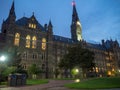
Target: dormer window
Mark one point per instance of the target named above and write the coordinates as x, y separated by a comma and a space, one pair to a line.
31, 25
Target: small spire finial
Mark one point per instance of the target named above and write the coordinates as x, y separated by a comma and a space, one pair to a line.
24, 14
33, 13
73, 3
50, 24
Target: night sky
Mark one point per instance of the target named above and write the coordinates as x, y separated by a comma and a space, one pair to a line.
100, 19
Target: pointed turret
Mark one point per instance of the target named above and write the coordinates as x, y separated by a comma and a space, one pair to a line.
76, 29
50, 27
74, 14
33, 16
50, 30
50, 24
10, 21
11, 18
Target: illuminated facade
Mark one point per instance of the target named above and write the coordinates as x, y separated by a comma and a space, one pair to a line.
43, 48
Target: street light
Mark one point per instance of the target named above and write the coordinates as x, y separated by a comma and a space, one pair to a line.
77, 70
2, 58
77, 80
119, 70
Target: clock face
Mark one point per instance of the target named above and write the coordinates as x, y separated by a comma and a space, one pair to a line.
78, 23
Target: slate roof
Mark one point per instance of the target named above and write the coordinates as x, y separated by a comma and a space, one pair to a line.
24, 21
62, 39
96, 46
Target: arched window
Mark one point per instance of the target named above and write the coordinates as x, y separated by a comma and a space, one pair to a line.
34, 26
34, 41
28, 41
31, 25
43, 44
17, 39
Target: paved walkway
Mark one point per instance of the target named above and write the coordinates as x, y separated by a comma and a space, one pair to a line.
52, 85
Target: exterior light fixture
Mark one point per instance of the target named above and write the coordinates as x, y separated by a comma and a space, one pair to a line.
2, 58
119, 70
77, 80
77, 71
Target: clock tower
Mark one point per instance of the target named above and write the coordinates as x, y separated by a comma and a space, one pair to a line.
76, 29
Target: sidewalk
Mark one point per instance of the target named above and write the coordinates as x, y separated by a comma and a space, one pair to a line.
52, 85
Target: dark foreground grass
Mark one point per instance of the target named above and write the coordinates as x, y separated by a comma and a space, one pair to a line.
63, 79
36, 81
30, 82
97, 83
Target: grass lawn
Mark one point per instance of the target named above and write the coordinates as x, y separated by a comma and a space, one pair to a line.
30, 82
3, 84
36, 81
97, 83
63, 79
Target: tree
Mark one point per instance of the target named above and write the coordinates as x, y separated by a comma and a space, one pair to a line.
13, 55
13, 60
34, 70
77, 57
7, 71
56, 72
21, 70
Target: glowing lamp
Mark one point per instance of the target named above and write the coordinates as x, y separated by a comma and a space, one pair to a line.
2, 58
76, 70
119, 70
77, 80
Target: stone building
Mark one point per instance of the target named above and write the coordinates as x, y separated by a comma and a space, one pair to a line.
41, 47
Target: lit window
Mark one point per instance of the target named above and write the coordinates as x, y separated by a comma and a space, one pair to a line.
96, 69
17, 39
30, 25
108, 64
113, 69
43, 44
109, 73
34, 26
28, 41
34, 42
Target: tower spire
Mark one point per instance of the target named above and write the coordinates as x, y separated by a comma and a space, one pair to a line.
11, 17
12, 10
74, 14
50, 24
76, 29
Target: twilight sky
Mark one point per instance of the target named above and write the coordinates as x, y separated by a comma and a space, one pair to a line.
100, 19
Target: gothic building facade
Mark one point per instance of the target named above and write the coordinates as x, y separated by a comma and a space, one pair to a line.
41, 47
